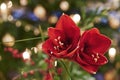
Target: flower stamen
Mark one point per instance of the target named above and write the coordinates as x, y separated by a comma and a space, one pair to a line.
95, 59
56, 40
97, 56
61, 44
51, 52
55, 47
93, 56
58, 37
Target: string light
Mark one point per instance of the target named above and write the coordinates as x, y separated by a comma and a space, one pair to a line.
28, 27
40, 12
9, 4
64, 5
23, 2
114, 22
8, 40
36, 31
76, 18
3, 6
18, 23
53, 19
10, 18
112, 53
26, 54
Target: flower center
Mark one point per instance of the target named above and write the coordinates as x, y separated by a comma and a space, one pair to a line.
95, 57
60, 44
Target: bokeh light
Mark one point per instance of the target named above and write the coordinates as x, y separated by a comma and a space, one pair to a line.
40, 12
64, 5
76, 18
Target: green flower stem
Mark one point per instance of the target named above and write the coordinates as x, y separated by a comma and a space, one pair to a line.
65, 67
22, 40
29, 39
42, 35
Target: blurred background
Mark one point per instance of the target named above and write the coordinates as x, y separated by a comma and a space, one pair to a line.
23, 22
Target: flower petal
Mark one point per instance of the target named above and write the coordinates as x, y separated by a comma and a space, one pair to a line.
55, 33
86, 66
94, 58
48, 47
93, 41
69, 28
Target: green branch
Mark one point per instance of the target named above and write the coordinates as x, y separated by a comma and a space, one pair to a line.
22, 40
29, 39
42, 35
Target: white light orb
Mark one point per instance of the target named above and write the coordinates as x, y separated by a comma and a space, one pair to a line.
76, 18
114, 22
53, 19
3, 6
23, 2
36, 31
9, 4
64, 5
8, 40
40, 12
26, 55
28, 27
18, 23
10, 18
112, 52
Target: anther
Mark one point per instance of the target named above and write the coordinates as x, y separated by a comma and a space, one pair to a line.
97, 55
55, 47
59, 37
51, 52
77, 47
61, 43
95, 59
93, 56
56, 40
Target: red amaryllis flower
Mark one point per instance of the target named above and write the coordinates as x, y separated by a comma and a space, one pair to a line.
63, 39
92, 47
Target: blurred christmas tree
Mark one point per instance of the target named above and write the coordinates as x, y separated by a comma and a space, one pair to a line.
23, 28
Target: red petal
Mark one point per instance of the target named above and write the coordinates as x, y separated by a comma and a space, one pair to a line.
94, 59
54, 33
69, 28
88, 67
93, 41
48, 46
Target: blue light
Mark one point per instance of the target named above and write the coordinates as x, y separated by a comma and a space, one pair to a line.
24, 14
104, 20
31, 16
18, 13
